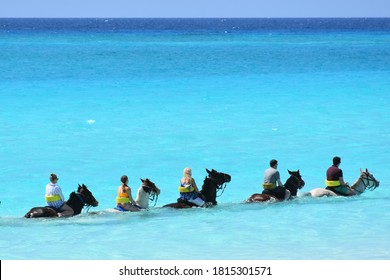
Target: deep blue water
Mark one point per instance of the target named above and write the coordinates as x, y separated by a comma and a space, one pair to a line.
93, 99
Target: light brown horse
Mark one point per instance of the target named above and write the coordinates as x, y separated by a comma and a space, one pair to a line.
365, 181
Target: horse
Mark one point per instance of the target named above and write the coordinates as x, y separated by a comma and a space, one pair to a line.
148, 191
213, 183
77, 201
365, 181
293, 183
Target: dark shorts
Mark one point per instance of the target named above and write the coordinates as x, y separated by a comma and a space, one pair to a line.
278, 192
341, 190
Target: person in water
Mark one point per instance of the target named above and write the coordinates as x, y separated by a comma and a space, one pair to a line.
335, 181
271, 178
124, 198
55, 199
188, 189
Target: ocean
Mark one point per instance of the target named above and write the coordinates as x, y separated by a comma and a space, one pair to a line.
94, 99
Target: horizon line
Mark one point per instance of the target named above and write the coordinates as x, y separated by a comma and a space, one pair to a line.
216, 17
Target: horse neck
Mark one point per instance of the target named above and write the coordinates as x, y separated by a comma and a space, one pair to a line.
358, 185
75, 202
290, 186
209, 190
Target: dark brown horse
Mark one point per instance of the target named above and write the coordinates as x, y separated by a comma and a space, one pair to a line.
293, 183
214, 182
77, 201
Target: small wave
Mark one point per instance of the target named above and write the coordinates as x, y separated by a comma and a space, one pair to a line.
91, 121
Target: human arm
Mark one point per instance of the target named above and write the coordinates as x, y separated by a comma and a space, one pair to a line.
194, 185
58, 191
280, 184
341, 179
130, 196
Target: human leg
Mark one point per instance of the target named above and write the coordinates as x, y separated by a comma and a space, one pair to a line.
66, 211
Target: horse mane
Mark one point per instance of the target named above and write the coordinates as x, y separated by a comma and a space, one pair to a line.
76, 202
209, 190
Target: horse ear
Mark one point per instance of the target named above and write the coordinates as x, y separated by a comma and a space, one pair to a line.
289, 172
366, 170
79, 186
208, 171
142, 180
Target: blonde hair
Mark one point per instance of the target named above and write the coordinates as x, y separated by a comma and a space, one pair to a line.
187, 175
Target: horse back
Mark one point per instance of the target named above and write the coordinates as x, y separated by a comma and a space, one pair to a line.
179, 205
41, 212
260, 197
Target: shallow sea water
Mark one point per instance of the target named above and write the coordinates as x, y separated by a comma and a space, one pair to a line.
92, 100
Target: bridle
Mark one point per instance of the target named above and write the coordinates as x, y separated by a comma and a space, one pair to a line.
84, 199
300, 182
220, 186
371, 184
153, 196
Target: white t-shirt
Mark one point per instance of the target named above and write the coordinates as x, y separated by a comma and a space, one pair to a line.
54, 189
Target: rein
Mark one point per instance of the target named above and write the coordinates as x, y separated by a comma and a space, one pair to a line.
299, 181
153, 197
81, 197
369, 186
221, 188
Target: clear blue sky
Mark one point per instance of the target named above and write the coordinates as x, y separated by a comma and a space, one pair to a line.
194, 8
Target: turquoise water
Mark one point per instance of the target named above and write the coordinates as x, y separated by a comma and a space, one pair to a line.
92, 100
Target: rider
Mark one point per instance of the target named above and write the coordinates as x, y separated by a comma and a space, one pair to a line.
142, 199
271, 177
124, 199
55, 198
188, 189
334, 179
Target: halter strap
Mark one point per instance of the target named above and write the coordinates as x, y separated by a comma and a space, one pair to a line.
221, 188
369, 179
80, 196
153, 196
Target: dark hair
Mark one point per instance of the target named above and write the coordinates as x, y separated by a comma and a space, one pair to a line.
124, 179
273, 162
53, 177
336, 160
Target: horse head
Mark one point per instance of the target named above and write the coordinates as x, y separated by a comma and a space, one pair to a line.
219, 177
214, 182
365, 181
88, 197
294, 182
150, 187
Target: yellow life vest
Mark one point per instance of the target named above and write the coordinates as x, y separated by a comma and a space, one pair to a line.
121, 200
332, 183
183, 189
269, 186
123, 197
52, 198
